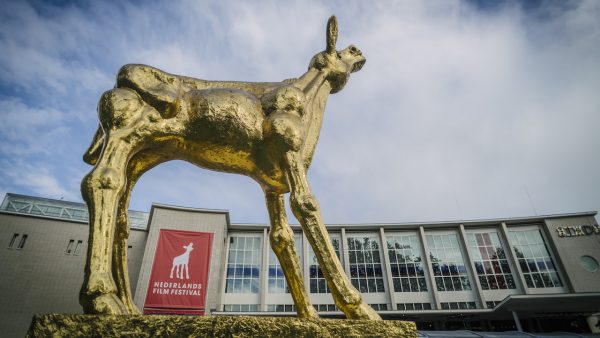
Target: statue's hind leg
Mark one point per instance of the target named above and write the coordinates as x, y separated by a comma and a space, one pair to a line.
306, 209
138, 165
282, 243
101, 189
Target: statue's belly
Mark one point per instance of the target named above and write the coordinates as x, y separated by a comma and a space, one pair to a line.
225, 117
224, 132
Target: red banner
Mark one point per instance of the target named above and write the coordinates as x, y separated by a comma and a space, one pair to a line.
179, 273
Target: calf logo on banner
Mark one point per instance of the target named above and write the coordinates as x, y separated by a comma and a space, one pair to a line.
179, 273
181, 262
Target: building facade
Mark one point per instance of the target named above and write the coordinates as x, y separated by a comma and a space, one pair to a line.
535, 274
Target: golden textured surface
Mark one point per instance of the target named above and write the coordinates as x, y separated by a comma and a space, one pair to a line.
54, 325
266, 131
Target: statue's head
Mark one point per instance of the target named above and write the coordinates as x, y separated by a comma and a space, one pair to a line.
339, 64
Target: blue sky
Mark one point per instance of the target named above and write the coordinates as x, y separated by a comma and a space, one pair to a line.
464, 109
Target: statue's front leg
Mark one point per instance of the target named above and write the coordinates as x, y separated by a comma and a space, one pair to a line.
282, 243
306, 209
101, 189
138, 165
119, 111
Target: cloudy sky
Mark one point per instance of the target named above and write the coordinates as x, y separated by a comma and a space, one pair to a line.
464, 109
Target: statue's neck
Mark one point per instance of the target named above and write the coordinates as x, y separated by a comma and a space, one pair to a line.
315, 86
310, 82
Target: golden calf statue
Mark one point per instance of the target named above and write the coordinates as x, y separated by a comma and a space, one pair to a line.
266, 131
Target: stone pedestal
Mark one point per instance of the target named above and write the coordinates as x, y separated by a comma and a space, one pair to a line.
59, 325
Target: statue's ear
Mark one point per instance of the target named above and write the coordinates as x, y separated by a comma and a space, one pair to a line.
332, 34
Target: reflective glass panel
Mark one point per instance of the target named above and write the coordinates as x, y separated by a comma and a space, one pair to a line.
243, 264
365, 263
490, 261
448, 265
404, 251
534, 259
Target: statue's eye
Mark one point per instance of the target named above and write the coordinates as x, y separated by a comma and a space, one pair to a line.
355, 50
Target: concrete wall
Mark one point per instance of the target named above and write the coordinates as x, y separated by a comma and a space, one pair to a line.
570, 250
41, 277
165, 217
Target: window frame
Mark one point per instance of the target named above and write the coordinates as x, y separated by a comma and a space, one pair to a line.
382, 263
540, 228
227, 263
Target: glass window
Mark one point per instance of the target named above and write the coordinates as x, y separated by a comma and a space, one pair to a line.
22, 242
406, 264
447, 263
12, 240
70, 247
281, 308
240, 307
589, 263
365, 263
243, 264
458, 305
317, 279
490, 261
534, 259
325, 307
277, 282
413, 306
379, 307
78, 247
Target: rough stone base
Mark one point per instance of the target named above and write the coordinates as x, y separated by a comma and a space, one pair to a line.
59, 325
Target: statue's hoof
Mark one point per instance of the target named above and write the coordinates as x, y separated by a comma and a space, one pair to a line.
108, 304
364, 311
131, 308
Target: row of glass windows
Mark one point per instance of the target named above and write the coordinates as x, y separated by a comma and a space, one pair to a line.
413, 306
458, 305
332, 307
407, 269
240, 307
276, 307
492, 304
13, 241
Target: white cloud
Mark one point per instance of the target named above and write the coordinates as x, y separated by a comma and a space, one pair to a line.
28, 131
37, 179
456, 114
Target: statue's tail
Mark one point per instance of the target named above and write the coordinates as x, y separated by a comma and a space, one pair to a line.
92, 154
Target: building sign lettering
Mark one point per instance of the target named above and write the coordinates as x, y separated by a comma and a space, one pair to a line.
579, 230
